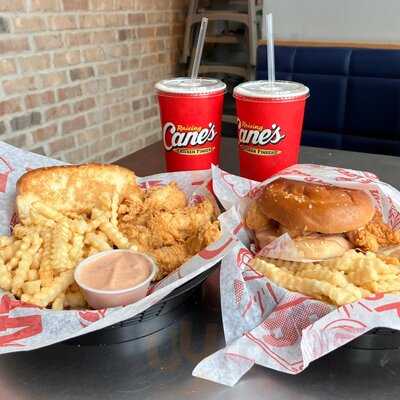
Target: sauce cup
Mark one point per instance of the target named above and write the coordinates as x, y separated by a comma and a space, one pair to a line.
100, 298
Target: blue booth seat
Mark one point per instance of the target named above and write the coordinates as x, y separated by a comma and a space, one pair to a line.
355, 95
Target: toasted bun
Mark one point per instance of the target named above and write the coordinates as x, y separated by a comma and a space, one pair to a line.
74, 188
311, 247
310, 207
323, 247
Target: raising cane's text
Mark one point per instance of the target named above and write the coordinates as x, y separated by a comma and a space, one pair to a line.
173, 138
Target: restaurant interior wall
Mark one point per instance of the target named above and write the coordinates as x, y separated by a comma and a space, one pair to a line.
77, 76
339, 20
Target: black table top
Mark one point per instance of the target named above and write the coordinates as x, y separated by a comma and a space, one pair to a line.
160, 365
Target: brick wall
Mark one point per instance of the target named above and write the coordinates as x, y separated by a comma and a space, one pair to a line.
77, 76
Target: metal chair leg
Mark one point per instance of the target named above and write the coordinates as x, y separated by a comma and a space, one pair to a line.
252, 26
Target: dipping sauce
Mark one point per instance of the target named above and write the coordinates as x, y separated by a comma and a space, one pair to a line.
114, 278
115, 271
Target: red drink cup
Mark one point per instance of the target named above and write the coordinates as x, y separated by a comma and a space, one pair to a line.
270, 122
191, 113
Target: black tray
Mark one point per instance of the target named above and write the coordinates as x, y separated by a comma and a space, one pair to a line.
181, 300
377, 339
157, 317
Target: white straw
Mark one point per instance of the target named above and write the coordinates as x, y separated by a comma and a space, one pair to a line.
270, 48
199, 48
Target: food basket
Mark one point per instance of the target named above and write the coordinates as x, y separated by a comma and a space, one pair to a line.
159, 316
377, 339
31, 326
286, 330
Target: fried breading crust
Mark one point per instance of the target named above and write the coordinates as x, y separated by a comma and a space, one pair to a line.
167, 197
161, 223
255, 218
374, 235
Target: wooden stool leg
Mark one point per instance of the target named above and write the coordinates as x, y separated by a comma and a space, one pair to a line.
193, 5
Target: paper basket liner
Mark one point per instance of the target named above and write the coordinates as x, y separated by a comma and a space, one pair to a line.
25, 327
270, 326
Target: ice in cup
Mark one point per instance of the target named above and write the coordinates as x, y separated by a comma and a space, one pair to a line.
269, 124
191, 114
115, 277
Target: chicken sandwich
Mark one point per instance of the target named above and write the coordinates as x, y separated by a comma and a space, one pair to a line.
323, 221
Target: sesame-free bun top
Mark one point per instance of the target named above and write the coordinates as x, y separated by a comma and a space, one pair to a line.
310, 207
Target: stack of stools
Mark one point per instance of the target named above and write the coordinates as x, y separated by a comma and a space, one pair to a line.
222, 57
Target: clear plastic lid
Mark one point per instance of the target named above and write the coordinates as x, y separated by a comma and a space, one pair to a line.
268, 90
190, 86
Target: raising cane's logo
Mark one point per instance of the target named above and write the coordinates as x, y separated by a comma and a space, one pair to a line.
189, 140
252, 135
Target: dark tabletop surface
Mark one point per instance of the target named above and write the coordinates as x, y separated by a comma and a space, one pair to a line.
160, 366
151, 160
